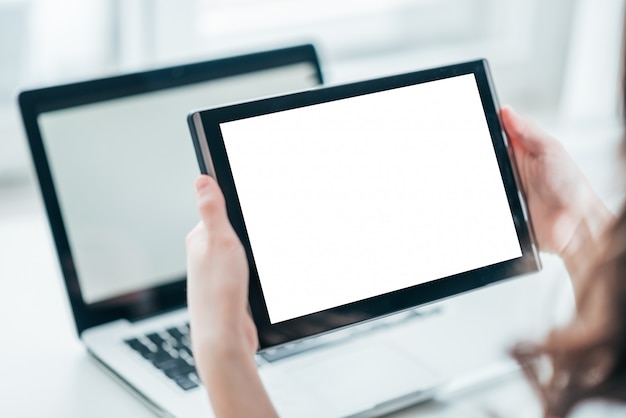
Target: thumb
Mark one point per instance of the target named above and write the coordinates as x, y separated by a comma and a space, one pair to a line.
210, 202
523, 132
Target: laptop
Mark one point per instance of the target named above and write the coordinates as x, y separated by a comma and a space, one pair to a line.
119, 215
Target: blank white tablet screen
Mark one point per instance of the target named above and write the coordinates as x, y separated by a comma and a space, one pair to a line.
367, 195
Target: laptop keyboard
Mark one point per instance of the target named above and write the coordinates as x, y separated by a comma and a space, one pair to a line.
170, 352
170, 349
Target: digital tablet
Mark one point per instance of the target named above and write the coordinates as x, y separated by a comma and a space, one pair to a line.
362, 200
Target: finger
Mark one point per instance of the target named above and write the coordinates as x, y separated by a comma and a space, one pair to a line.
523, 132
193, 235
211, 204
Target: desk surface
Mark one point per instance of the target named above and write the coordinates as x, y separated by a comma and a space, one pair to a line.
45, 371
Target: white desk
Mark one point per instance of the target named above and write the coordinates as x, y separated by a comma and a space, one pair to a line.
44, 370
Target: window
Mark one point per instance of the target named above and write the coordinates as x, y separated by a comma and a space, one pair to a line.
525, 40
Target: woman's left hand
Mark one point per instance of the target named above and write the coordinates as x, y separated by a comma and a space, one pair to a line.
223, 336
217, 284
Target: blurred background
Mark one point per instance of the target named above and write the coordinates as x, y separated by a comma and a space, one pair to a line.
555, 60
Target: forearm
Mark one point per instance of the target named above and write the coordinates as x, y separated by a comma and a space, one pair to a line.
233, 383
587, 242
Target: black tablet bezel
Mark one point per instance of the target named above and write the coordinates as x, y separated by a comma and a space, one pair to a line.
301, 327
34, 102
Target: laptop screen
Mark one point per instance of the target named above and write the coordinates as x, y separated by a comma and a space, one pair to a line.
123, 171
119, 164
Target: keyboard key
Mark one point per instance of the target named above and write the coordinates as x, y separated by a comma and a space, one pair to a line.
138, 346
152, 346
170, 351
185, 383
186, 350
182, 369
185, 341
159, 357
156, 339
169, 363
147, 352
175, 333
186, 356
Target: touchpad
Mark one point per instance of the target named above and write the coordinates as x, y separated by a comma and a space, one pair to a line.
353, 378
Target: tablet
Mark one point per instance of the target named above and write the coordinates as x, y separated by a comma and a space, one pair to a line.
366, 199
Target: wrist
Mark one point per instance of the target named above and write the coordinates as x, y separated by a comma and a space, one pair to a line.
230, 376
221, 342
218, 357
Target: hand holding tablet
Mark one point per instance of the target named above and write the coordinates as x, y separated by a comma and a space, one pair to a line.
362, 200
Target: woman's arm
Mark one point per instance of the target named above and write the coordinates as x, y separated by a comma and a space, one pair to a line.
569, 218
223, 336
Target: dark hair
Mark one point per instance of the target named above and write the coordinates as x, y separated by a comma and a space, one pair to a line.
587, 358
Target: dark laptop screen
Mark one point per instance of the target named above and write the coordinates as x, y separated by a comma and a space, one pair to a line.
117, 170
124, 170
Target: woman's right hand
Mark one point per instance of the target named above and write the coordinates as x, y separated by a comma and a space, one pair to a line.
567, 214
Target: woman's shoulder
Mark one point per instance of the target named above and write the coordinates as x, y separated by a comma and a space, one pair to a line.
599, 408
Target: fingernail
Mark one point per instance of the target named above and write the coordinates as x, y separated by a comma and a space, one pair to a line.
202, 183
